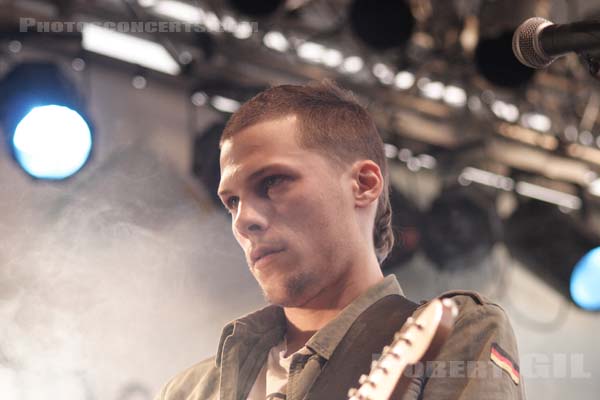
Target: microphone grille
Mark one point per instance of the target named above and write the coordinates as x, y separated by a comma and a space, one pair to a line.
525, 43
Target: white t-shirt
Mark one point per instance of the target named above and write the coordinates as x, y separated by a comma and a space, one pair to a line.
271, 382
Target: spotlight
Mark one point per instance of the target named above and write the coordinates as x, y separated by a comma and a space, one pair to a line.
496, 62
382, 24
42, 119
128, 48
559, 248
277, 41
256, 8
352, 65
585, 281
460, 228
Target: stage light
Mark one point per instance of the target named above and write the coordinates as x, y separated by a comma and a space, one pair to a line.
586, 138
243, 30
318, 53
594, 187
461, 227
496, 62
193, 14
229, 23
276, 41
382, 24
585, 281
559, 248
474, 104
128, 48
352, 64
505, 111
44, 122
332, 58
52, 142
561, 199
390, 150
405, 154
225, 104
180, 11
455, 96
147, 3
537, 121
199, 99
404, 80
571, 133
139, 82
383, 73
311, 51
427, 161
433, 90
486, 178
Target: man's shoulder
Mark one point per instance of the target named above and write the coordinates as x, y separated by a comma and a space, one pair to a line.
198, 382
466, 297
477, 315
480, 357
472, 304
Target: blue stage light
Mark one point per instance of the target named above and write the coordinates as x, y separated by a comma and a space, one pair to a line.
43, 119
585, 281
52, 142
562, 249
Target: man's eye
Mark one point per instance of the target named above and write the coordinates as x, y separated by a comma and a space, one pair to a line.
272, 181
231, 203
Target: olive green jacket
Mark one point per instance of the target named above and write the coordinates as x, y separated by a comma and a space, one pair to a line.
478, 361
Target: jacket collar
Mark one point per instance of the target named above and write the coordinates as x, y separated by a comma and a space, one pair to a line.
327, 338
269, 324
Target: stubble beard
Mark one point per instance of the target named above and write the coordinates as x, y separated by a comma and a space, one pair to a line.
293, 291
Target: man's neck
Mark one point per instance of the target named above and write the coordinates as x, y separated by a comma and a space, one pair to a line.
305, 321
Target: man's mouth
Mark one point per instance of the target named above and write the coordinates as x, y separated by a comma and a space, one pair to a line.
266, 257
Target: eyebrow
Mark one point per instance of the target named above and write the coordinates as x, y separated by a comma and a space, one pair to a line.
254, 175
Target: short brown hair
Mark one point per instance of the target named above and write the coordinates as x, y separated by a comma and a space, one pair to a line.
332, 122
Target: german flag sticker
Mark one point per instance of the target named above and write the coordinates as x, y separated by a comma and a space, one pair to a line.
503, 360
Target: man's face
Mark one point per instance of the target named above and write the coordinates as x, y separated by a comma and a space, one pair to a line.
289, 201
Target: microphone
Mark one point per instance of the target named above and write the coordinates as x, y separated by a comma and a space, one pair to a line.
537, 42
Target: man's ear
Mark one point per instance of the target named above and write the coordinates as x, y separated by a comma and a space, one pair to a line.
367, 182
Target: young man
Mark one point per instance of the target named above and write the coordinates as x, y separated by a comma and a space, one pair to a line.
305, 179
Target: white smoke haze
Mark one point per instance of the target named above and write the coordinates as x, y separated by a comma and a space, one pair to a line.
94, 270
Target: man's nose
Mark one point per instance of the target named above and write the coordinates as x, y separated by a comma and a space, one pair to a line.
249, 218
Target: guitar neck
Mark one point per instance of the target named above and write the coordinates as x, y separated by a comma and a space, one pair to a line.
419, 338
384, 376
